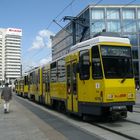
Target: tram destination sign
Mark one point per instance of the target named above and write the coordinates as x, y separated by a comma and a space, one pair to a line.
115, 51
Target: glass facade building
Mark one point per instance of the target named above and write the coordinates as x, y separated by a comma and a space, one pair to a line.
114, 18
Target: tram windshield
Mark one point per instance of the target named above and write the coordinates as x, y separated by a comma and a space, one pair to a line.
117, 61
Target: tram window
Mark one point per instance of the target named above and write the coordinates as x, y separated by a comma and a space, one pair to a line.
26, 80
84, 65
30, 79
33, 78
54, 72
45, 78
61, 70
96, 63
38, 77
117, 61
74, 79
68, 79
44, 74
47, 82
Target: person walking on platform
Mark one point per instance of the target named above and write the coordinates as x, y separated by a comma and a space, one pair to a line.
6, 95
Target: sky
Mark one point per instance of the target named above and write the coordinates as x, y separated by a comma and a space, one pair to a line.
35, 18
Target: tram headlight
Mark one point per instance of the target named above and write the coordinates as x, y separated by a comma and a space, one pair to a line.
130, 95
110, 96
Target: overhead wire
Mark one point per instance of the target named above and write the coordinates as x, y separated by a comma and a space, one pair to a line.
63, 28
49, 25
54, 20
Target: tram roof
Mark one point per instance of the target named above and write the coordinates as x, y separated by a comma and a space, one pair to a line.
99, 39
92, 42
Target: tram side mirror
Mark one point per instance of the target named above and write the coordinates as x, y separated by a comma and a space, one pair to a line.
77, 67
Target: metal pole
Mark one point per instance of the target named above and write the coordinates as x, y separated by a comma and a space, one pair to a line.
74, 32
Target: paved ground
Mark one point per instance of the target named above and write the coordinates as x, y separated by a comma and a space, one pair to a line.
21, 124
138, 97
27, 121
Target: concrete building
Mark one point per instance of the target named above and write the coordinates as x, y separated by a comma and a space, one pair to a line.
10, 54
114, 18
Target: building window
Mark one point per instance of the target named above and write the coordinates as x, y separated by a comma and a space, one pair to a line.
61, 70
97, 26
113, 26
135, 52
133, 39
138, 13
136, 68
128, 14
97, 14
138, 26
129, 26
54, 72
113, 14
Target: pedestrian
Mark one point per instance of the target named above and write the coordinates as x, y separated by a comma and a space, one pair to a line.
6, 95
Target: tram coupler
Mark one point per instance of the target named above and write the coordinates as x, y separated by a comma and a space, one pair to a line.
118, 112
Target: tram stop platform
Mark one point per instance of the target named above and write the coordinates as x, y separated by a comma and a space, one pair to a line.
21, 124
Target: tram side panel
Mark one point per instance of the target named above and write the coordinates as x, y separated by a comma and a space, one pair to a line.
39, 85
31, 86
57, 84
21, 86
46, 84
25, 93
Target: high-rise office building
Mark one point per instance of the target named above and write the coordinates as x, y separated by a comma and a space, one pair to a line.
124, 19
10, 54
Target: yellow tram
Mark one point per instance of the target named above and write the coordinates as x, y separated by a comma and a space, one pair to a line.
95, 78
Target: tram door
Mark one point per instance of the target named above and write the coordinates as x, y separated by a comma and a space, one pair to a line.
48, 101
72, 98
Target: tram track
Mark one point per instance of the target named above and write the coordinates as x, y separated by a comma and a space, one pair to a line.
114, 131
137, 123
108, 127
136, 106
136, 111
56, 121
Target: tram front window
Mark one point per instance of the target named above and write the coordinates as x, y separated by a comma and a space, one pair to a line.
117, 61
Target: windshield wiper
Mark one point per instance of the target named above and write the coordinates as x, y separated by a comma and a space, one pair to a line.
122, 81
124, 77
127, 75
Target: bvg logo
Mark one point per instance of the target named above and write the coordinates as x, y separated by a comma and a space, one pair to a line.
120, 95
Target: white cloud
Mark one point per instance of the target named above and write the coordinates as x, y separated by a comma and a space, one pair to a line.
28, 65
42, 40
45, 61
